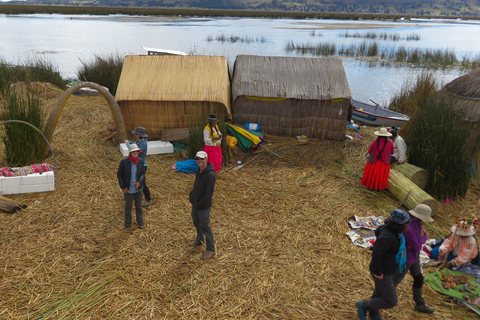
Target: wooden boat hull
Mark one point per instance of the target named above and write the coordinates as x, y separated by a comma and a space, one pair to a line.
377, 116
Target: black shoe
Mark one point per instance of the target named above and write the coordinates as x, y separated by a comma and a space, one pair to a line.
424, 309
195, 243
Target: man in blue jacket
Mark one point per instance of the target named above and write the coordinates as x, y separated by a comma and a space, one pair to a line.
201, 200
131, 177
141, 142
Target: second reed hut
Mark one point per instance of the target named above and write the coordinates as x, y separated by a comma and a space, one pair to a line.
159, 92
465, 93
291, 96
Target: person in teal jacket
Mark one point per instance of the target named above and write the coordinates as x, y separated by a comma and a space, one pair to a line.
141, 142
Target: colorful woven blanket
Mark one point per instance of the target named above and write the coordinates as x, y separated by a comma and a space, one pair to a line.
23, 171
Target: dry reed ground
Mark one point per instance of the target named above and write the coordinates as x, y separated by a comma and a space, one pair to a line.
279, 228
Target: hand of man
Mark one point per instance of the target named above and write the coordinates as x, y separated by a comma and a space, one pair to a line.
449, 265
379, 277
137, 184
125, 190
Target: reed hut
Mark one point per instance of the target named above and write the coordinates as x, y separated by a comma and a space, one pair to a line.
465, 92
158, 92
291, 96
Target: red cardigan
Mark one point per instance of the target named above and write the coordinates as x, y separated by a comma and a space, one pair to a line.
387, 152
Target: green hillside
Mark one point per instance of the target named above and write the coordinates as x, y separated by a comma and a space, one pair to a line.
408, 7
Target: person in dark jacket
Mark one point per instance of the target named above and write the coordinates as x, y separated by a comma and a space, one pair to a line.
141, 142
201, 200
131, 175
388, 254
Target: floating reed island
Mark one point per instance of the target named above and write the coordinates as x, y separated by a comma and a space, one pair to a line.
279, 223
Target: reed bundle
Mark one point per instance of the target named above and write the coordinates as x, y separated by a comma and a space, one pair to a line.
418, 175
279, 228
404, 188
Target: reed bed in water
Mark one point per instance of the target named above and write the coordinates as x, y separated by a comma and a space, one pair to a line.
430, 58
372, 35
279, 224
233, 39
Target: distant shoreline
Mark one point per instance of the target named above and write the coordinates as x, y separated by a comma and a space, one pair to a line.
12, 9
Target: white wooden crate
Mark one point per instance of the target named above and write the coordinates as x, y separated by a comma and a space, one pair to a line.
34, 182
154, 147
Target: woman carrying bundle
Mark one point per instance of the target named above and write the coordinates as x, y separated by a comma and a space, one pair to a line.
377, 170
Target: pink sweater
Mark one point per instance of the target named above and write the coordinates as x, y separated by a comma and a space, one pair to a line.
463, 248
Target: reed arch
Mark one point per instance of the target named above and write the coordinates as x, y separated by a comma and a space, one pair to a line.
112, 103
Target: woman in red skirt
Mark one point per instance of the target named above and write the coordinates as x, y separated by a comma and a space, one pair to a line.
213, 140
377, 170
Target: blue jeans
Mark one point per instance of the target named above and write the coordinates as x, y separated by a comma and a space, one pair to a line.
129, 199
201, 221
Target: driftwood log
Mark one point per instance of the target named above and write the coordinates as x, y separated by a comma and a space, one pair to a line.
418, 175
10, 206
399, 186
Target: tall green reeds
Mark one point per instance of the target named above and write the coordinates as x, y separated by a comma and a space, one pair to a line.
23, 144
406, 101
437, 142
103, 70
33, 70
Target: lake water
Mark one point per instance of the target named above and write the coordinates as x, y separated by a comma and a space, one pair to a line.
67, 40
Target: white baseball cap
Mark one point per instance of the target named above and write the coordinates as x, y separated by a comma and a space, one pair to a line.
202, 154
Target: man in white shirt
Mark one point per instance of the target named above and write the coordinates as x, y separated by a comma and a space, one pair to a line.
400, 147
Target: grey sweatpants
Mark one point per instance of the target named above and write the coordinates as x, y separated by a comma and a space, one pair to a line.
384, 296
201, 221
129, 199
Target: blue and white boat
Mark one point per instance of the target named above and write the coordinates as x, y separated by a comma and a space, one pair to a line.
377, 115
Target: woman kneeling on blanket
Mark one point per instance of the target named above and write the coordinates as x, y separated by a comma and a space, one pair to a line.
388, 253
462, 243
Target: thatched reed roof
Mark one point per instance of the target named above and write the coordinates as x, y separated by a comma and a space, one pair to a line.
466, 93
290, 77
175, 78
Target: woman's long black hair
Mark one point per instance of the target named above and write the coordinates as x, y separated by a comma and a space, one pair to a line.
378, 146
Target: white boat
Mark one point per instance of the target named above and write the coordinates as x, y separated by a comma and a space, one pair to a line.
164, 52
377, 115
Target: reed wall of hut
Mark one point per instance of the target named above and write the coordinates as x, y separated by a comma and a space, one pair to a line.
321, 119
292, 96
465, 93
168, 114
159, 92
